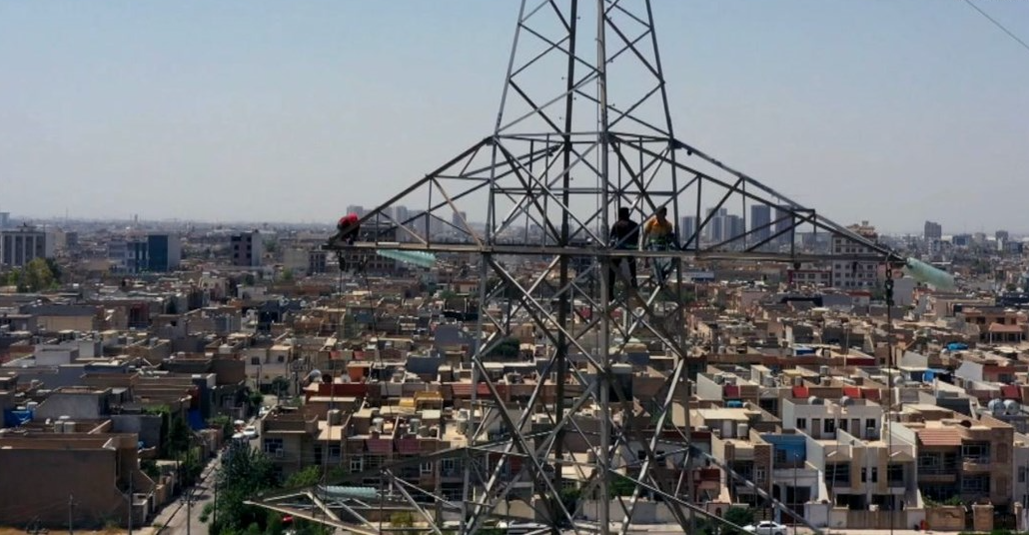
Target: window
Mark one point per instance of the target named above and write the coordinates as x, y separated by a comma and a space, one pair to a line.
801, 423
843, 424
1021, 474
335, 452
356, 464
255, 361
448, 466
875, 475
426, 468
830, 426
864, 475
780, 456
895, 474
978, 484
272, 445
976, 452
838, 473
759, 474
870, 424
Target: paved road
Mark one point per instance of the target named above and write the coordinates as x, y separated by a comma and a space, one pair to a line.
174, 519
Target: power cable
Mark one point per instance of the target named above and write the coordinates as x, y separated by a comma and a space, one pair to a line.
998, 24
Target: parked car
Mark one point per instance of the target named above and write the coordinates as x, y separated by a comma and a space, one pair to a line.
766, 528
250, 432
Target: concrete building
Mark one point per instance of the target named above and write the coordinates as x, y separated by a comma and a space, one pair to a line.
247, 249
42, 470
933, 231
716, 230
735, 228
964, 458
687, 226
5, 220
129, 255
760, 221
782, 224
20, 246
164, 252
855, 274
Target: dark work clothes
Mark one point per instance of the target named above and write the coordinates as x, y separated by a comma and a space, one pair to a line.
625, 234
625, 228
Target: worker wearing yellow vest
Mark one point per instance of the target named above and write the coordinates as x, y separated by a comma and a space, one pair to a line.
658, 235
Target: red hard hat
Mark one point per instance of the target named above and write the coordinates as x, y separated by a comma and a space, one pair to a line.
348, 219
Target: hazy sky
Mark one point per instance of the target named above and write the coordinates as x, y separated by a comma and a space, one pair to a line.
895, 111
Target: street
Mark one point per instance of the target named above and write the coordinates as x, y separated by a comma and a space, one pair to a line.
173, 518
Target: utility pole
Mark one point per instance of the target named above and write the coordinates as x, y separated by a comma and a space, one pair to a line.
214, 513
131, 504
71, 514
189, 509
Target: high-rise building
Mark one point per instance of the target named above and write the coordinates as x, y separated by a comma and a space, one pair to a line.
247, 249
457, 218
164, 252
933, 231
1002, 236
716, 224
24, 244
735, 228
400, 213
760, 218
687, 226
783, 221
5, 220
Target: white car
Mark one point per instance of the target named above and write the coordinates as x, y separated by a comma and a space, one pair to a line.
250, 432
766, 528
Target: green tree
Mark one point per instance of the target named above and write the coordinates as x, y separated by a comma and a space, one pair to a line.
179, 435
280, 386
150, 468
622, 486
741, 516
508, 348
55, 269
221, 422
307, 477
245, 473
38, 275
287, 275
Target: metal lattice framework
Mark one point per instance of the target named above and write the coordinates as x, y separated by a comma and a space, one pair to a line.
584, 127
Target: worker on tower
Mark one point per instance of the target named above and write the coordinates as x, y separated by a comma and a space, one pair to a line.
658, 235
625, 234
347, 230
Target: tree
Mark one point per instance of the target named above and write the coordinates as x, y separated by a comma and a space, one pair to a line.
221, 422
741, 516
508, 348
38, 275
280, 386
287, 275
622, 486
178, 436
244, 474
307, 477
55, 269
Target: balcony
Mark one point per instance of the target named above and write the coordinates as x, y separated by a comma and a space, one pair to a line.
976, 464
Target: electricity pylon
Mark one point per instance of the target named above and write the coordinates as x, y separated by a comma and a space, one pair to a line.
584, 127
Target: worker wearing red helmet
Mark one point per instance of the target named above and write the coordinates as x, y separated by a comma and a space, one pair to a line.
347, 228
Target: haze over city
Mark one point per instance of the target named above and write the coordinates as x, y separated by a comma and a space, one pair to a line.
270, 111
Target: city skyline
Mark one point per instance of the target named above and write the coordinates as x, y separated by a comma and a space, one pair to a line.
214, 111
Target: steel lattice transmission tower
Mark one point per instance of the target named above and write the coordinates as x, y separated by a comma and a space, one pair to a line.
584, 127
